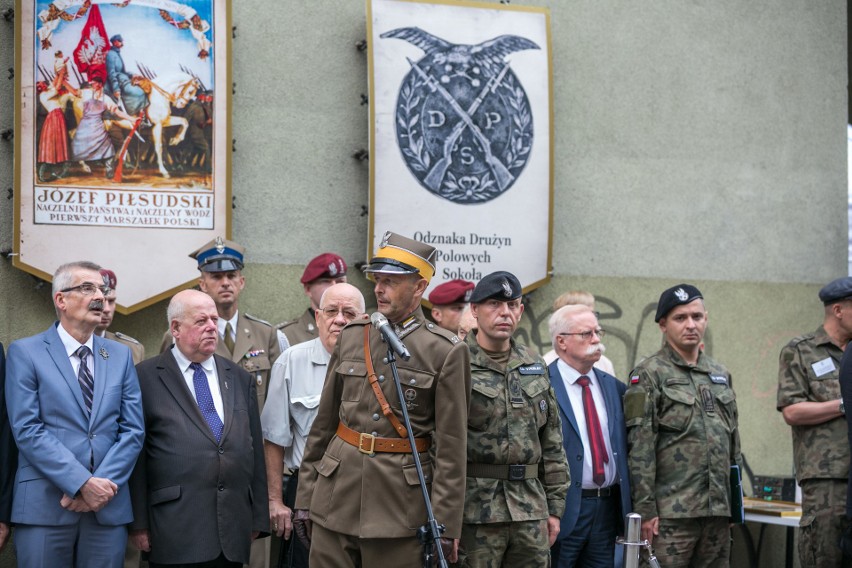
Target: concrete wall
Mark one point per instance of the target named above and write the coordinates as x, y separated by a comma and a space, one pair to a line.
694, 141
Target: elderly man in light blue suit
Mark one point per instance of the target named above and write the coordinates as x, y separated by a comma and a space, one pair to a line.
76, 415
595, 440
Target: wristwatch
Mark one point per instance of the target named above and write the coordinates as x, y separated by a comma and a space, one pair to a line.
842, 408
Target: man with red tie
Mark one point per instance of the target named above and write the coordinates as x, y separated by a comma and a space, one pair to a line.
595, 441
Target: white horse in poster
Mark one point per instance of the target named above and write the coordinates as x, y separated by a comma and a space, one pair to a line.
160, 100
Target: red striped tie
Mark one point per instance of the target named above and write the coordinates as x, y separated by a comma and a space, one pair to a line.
593, 426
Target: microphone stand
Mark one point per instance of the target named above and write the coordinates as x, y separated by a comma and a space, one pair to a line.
430, 533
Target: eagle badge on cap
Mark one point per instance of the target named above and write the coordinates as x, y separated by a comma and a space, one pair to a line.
507, 288
220, 245
385, 239
467, 295
332, 269
681, 294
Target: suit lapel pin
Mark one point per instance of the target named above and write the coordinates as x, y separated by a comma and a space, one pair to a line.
104, 353
226, 385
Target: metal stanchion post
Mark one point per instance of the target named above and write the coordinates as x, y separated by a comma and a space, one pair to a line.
633, 544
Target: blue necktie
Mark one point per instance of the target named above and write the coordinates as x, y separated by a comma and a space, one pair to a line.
84, 376
205, 400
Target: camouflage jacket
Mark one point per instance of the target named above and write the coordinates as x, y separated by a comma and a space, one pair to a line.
682, 436
513, 419
809, 370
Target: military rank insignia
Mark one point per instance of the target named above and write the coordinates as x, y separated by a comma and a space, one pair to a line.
463, 120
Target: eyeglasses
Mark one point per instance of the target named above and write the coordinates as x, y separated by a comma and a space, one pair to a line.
587, 335
88, 289
348, 313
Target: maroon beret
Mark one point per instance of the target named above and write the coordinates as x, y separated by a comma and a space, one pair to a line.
109, 277
451, 292
327, 264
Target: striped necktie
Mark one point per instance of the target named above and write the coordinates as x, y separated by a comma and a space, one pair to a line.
84, 376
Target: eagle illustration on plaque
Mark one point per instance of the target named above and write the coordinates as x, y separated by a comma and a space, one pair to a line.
463, 120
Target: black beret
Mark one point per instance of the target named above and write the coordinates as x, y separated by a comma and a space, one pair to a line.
676, 296
499, 285
836, 290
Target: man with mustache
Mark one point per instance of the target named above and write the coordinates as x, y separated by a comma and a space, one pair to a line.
594, 435
295, 385
76, 415
682, 439
517, 476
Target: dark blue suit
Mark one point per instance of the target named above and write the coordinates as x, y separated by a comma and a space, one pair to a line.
613, 391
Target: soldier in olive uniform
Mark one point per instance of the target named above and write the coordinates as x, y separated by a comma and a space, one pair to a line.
320, 273
517, 474
136, 348
809, 398
682, 439
132, 556
359, 502
244, 339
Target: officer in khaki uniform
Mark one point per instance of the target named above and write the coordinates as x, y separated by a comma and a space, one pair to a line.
320, 273
132, 556
136, 348
244, 339
359, 497
682, 439
809, 399
517, 474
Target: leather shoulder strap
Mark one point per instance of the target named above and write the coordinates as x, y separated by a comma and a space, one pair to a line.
377, 390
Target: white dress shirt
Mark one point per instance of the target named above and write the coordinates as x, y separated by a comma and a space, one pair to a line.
209, 367
72, 345
575, 395
292, 402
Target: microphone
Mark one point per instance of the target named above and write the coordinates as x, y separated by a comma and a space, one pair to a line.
389, 335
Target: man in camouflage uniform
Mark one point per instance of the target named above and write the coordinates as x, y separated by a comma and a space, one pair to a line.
321, 272
809, 399
359, 502
517, 474
682, 439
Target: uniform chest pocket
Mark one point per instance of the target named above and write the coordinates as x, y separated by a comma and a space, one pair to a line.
483, 404
417, 390
727, 401
536, 389
354, 376
677, 404
256, 364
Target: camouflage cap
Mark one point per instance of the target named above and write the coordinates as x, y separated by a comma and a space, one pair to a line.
676, 296
219, 255
836, 290
452, 292
500, 285
327, 265
401, 255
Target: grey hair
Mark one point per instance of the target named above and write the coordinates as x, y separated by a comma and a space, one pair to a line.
63, 276
561, 321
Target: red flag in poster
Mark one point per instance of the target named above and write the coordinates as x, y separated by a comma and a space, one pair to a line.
90, 54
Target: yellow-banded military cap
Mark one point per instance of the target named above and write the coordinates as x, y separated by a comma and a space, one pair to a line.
401, 255
219, 255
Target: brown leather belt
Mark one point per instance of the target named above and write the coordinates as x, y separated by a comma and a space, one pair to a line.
514, 472
368, 444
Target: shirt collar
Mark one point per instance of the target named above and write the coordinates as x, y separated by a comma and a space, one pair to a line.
71, 345
183, 363
223, 322
570, 374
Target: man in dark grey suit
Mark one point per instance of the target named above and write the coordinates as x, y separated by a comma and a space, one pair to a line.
199, 487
